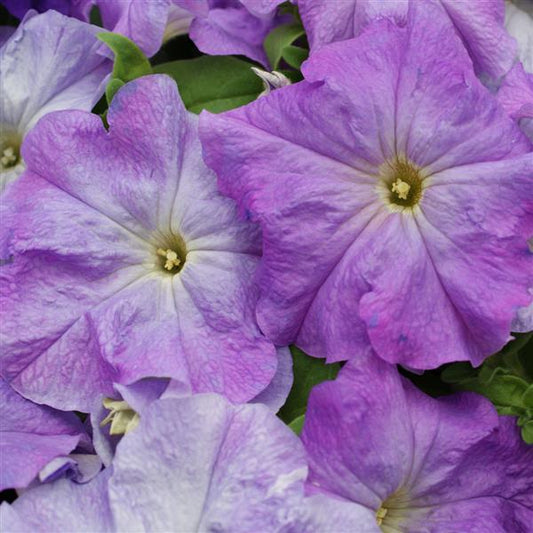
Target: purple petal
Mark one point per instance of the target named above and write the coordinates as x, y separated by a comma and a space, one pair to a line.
31, 436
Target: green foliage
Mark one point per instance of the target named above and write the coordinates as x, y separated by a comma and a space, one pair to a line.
505, 379
214, 83
297, 424
308, 372
130, 62
279, 45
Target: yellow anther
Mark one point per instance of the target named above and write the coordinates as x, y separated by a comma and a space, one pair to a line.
8, 157
121, 416
172, 259
380, 515
401, 188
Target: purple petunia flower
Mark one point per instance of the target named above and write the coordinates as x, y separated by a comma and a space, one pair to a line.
223, 27
126, 262
421, 464
193, 464
49, 63
143, 21
131, 402
31, 436
395, 200
480, 25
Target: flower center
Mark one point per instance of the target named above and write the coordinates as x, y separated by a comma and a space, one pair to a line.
9, 148
403, 182
171, 256
121, 416
391, 516
380, 515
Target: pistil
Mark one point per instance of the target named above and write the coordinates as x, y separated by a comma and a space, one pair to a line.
172, 259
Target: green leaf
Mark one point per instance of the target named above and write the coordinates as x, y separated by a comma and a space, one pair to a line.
279, 39
130, 62
458, 372
504, 390
509, 410
297, 424
295, 56
527, 432
215, 83
527, 398
308, 372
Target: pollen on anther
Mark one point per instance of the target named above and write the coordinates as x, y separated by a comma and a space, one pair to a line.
401, 188
172, 259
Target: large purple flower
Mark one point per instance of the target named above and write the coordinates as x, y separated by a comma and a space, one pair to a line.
126, 262
31, 436
480, 25
193, 464
49, 63
394, 196
421, 464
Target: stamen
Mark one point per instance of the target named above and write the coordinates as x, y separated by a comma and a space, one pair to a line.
401, 188
380, 515
9, 157
172, 259
122, 417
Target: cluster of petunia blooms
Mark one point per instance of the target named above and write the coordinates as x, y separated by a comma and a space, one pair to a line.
155, 268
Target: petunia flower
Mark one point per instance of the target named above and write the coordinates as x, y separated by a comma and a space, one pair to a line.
193, 464
120, 413
31, 436
480, 25
420, 464
395, 199
218, 27
49, 63
126, 262
143, 21
222, 27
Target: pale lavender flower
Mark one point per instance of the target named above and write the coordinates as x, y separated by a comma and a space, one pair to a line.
193, 464
420, 464
49, 63
394, 195
126, 262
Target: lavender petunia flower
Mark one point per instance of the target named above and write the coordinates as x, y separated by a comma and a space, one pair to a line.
420, 464
394, 196
479, 24
127, 263
49, 63
223, 27
110, 418
143, 21
194, 464
31, 436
